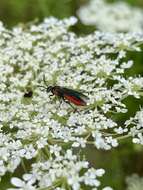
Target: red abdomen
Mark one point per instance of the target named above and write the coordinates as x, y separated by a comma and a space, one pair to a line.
75, 100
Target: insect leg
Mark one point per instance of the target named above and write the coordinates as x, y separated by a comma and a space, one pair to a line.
51, 95
66, 101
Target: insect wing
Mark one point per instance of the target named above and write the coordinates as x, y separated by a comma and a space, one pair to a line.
75, 100
74, 96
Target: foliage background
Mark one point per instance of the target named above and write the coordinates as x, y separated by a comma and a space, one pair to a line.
119, 162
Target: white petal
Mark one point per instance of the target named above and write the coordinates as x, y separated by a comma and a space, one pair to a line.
17, 182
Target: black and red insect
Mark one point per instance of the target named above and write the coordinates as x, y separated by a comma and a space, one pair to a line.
67, 95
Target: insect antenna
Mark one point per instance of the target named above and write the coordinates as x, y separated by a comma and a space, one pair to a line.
42, 87
44, 80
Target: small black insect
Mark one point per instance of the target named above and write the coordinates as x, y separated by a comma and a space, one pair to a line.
28, 94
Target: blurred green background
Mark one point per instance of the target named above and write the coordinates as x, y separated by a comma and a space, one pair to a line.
17, 11
119, 162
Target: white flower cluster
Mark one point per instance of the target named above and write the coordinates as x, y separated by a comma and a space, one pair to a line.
135, 125
32, 123
64, 171
112, 17
134, 182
